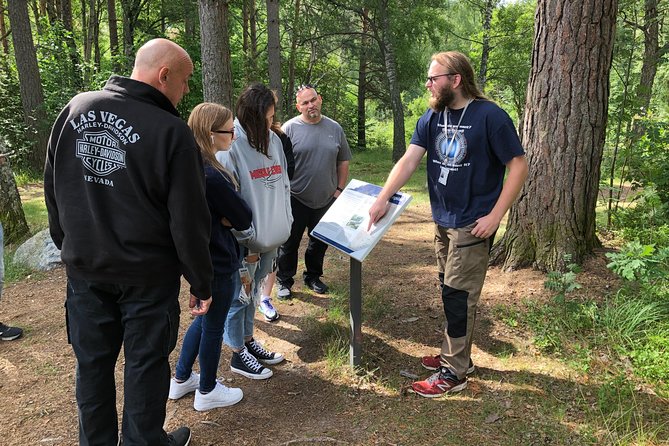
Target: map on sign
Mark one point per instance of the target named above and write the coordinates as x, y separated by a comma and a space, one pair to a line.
344, 225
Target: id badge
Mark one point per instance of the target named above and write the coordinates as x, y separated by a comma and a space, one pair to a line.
443, 175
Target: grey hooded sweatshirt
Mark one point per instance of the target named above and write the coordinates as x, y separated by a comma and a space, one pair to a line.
264, 185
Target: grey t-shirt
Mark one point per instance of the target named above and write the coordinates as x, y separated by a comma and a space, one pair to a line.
317, 149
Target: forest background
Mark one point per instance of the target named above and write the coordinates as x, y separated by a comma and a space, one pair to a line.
587, 83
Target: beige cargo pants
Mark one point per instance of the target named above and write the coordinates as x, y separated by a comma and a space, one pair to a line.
463, 262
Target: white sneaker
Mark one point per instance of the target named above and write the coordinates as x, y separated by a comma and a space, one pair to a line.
177, 390
268, 310
221, 396
283, 292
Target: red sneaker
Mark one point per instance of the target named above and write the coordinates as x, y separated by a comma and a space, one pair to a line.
434, 362
439, 384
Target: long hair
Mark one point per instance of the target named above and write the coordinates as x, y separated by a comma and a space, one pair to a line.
204, 118
251, 109
456, 62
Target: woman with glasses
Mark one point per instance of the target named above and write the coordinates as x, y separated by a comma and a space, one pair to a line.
258, 162
213, 128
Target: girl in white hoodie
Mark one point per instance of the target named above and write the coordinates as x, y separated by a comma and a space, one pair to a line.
259, 165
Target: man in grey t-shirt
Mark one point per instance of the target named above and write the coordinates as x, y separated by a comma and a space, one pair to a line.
322, 157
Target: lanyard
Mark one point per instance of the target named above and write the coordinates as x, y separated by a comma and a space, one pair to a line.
457, 127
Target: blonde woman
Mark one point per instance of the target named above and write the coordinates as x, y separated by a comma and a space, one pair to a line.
214, 131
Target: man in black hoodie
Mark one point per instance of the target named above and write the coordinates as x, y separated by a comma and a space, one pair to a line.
124, 189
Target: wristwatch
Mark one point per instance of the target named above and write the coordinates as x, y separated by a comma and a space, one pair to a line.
340, 189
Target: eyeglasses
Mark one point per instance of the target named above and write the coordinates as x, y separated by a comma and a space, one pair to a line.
431, 79
305, 87
229, 132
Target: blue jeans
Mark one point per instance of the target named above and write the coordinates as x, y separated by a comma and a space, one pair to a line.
239, 324
145, 320
203, 338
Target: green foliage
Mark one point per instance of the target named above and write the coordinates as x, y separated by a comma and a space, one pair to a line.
650, 357
624, 416
15, 272
564, 283
644, 264
60, 79
645, 219
509, 64
625, 320
13, 130
650, 163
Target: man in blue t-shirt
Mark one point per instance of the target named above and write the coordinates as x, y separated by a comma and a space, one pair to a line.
470, 143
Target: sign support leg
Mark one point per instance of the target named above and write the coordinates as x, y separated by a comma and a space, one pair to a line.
355, 351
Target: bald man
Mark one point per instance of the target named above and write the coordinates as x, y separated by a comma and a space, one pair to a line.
124, 189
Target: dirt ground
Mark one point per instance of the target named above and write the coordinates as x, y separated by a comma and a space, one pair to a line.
308, 401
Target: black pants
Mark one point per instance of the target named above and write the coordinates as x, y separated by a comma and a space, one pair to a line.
145, 320
303, 218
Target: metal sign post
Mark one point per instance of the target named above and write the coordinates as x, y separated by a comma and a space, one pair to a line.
355, 303
346, 227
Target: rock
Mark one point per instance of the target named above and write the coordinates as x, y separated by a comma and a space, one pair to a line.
39, 252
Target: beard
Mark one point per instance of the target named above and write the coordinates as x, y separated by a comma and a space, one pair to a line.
444, 98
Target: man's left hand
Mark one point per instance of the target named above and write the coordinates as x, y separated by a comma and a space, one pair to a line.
485, 226
198, 307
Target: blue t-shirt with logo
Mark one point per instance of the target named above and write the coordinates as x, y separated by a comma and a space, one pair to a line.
475, 157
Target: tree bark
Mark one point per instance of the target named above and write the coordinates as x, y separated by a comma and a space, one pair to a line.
488, 9
113, 35
274, 51
66, 16
290, 88
250, 44
131, 10
651, 54
362, 82
32, 95
190, 12
388, 52
11, 212
215, 44
564, 133
3, 29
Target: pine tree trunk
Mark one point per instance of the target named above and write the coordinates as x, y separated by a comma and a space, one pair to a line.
564, 132
32, 96
3, 29
485, 47
651, 54
66, 16
274, 51
215, 44
113, 35
388, 52
131, 10
11, 212
362, 83
290, 88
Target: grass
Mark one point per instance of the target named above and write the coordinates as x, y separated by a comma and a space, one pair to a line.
373, 166
36, 215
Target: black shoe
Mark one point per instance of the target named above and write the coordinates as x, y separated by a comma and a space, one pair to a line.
247, 365
179, 437
316, 285
257, 350
9, 333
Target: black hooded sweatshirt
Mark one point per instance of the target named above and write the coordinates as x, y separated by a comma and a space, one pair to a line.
124, 189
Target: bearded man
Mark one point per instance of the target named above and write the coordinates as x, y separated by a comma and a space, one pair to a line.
470, 143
